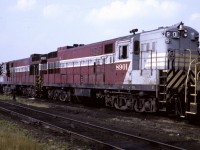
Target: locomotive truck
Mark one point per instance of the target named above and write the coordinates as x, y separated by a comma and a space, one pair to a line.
151, 71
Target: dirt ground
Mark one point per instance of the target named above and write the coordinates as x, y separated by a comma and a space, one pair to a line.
178, 132
45, 139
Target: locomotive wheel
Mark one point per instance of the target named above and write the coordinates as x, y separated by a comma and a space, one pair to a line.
39, 95
29, 92
108, 101
56, 95
139, 105
63, 96
32, 92
4, 90
24, 92
121, 103
50, 94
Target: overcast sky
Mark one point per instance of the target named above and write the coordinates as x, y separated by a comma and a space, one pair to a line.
40, 26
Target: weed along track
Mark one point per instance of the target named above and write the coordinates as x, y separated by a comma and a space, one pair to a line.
97, 136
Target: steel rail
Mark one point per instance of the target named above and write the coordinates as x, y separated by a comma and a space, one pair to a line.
100, 127
62, 130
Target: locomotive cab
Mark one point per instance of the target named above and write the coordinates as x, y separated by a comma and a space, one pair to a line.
163, 67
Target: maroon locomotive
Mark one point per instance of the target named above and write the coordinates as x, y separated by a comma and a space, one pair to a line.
146, 72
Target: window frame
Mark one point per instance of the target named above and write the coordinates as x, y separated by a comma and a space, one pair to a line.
123, 53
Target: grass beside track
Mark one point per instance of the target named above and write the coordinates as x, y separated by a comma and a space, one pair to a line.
21, 100
12, 137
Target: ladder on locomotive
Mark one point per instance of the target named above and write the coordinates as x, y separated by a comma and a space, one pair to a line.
163, 89
192, 97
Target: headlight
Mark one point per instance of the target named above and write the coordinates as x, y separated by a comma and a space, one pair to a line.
185, 35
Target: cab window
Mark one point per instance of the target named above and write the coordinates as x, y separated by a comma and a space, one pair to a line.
123, 52
108, 48
136, 47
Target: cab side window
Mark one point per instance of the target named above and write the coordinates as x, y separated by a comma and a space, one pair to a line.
136, 47
123, 52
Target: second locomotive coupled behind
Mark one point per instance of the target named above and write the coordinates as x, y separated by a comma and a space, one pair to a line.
151, 71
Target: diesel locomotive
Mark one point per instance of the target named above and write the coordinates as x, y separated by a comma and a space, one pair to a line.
151, 71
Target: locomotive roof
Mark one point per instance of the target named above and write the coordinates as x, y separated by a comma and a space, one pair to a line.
90, 44
173, 27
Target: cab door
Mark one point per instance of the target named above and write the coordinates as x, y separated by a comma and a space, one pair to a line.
123, 56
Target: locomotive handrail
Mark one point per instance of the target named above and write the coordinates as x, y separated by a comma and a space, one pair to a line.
187, 79
198, 73
188, 74
196, 78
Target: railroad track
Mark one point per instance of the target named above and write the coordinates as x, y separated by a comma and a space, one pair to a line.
97, 136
